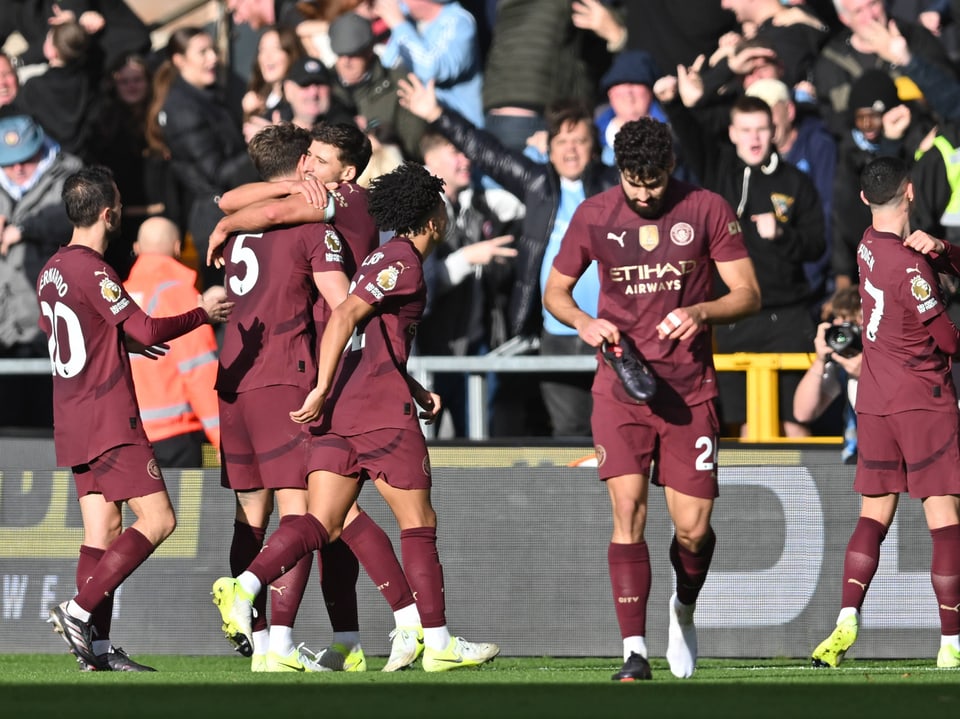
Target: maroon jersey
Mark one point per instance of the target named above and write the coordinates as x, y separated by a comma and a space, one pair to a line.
271, 337
82, 305
649, 267
903, 368
370, 389
354, 224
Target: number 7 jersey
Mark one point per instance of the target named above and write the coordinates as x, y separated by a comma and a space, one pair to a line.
903, 368
82, 304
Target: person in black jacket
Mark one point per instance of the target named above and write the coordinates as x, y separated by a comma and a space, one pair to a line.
783, 227
550, 193
188, 123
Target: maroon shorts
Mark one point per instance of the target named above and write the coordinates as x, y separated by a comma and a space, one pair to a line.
680, 442
260, 446
120, 473
398, 456
915, 451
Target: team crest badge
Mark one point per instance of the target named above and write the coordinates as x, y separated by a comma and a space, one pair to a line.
387, 278
332, 241
601, 454
153, 469
781, 206
681, 234
649, 237
109, 290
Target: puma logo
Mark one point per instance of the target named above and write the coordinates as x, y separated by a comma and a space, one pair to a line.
618, 238
381, 587
955, 608
278, 590
858, 583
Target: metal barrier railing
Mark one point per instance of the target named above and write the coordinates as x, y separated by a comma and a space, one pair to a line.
763, 424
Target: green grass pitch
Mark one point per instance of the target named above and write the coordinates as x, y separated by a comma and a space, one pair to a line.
45, 685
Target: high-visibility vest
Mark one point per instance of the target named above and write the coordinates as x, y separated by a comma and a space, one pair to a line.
951, 161
175, 392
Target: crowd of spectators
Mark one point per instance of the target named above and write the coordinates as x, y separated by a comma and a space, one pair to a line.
515, 104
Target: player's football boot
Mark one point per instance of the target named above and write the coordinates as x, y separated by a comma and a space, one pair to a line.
300, 659
636, 377
831, 650
636, 668
258, 663
78, 635
682, 639
459, 654
236, 610
948, 657
405, 648
340, 658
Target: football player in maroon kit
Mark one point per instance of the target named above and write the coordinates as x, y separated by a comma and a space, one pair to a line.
90, 321
265, 372
657, 242
350, 443
907, 421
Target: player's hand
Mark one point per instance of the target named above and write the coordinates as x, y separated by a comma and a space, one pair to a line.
215, 303
419, 99
313, 191
681, 324
151, 352
310, 409
218, 238
596, 331
924, 244
429, 401
482, 253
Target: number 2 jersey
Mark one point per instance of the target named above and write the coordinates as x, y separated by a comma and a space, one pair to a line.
903, 368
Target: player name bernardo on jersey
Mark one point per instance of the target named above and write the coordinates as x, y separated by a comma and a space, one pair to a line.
53, 276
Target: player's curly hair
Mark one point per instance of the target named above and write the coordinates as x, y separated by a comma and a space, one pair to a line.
405, 199
644, 148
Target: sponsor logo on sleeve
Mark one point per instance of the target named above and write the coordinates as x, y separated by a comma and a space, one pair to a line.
923, 293
387, 278
733, 228
332, 241
111, 292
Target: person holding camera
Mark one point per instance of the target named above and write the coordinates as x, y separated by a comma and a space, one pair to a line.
839, 353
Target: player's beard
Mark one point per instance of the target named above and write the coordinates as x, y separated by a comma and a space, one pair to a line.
648, 211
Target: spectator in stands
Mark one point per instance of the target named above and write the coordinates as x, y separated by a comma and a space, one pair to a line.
437, 40
833, 374
119, 141
876, 123
536, 56
366, 85
628, 85
782, 219
803, 140
850, 53
64, 98
263, 13
33, 223
188, 123
308, 95
9, 84
116, 29
277, 50
550, 193
178, 405
469, 274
